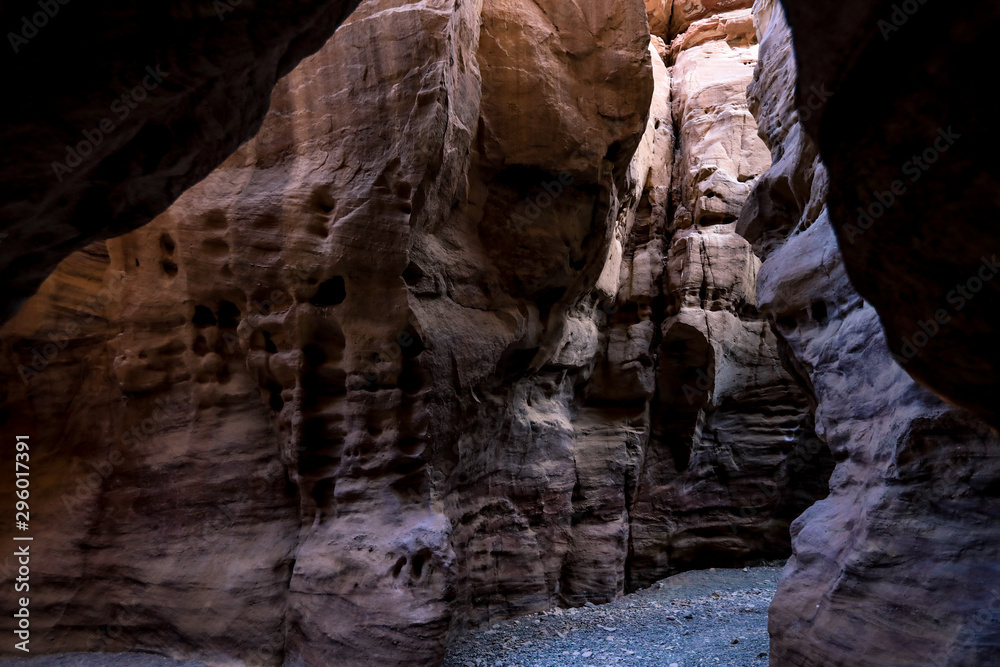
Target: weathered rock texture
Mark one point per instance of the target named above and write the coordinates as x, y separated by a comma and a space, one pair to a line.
471, 315
900, 564
120, 108
886, 91
386, 176
669, 18
726, 420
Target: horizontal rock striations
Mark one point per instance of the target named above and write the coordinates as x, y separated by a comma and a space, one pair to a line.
387, 175
723, 469
670, 18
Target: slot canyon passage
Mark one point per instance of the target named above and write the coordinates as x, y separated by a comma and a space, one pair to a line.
509, 305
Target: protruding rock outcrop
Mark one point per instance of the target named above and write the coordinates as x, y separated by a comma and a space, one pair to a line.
723, 469
670, 18
885, 90
332, 314
898, 565
122, 107
471, 315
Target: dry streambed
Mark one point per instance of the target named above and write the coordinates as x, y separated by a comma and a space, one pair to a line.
696, 618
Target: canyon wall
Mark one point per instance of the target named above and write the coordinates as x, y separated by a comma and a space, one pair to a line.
885, 90
465, 331
122, 107
729, 428
502, 308
898, 566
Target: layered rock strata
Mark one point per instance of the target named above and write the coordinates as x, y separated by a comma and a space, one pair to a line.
729, 428
243, 320
470, 315
669, 18
897, 566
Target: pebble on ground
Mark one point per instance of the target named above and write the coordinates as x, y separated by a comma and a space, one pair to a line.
706, 617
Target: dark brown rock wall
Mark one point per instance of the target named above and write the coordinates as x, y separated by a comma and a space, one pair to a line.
328, 310
885, 91
471, 316
898, 565
119, 109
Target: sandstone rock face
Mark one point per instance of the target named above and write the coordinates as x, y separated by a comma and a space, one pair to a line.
669, 18
897, 565
728, 427
243, 318
885, 91
123, 107
722, 152
471, 316
793, 191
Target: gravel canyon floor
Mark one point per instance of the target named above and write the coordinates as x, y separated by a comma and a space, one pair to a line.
508, 305
716, 616
702, 617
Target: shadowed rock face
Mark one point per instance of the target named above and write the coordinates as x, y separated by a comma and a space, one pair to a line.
898, 566
467, 322
885, 90
463, 334
122, 107
331, 313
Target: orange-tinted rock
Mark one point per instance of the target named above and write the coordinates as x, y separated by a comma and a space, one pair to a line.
670, 18
314, 331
